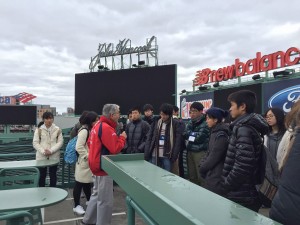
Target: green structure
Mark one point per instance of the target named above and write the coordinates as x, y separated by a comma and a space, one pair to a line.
161, 197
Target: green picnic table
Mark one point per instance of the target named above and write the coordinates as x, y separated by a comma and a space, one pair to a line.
28, 163
29, 198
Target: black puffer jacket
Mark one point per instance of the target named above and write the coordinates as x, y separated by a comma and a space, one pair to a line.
149, 119
241, 167
136, 136
286, 203
212, 166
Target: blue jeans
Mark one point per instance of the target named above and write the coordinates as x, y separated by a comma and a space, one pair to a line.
163, 162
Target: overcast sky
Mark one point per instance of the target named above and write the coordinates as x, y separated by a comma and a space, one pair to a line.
44, 43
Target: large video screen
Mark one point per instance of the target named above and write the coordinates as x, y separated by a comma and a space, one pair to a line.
127, 88
17, 115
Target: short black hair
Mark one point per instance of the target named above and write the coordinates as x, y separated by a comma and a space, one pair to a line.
175, 108
48, 115
148, 107
89, 119
129, 112
197, 105
166, 108
136, 108
246, 97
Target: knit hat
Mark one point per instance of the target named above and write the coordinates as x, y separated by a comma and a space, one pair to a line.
217, 113
197, 105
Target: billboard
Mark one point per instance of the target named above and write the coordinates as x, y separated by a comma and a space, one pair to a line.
127, 88
218, 98
281, 94
17, 115
7, 100
221, 95
206, 99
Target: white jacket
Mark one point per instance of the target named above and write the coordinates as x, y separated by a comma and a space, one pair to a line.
51, 139
83, 173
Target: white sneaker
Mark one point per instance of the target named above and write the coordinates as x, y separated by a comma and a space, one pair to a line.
79, 210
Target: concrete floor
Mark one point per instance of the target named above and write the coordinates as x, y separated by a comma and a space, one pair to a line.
62, 213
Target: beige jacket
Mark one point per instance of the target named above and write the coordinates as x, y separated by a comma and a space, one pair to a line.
51, 139
83, 173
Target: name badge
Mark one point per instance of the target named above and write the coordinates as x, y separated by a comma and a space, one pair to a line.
162, 140
192, 137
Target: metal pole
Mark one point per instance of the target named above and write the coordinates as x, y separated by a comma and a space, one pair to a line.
133, 206
130, 212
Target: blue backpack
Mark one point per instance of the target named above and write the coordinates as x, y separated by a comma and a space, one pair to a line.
71, 154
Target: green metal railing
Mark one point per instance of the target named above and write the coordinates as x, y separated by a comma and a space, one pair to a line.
161, 197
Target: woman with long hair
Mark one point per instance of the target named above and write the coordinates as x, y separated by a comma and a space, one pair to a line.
83, 174
275, 119
286, 203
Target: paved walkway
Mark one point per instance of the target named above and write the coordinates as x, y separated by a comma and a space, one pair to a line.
62, 213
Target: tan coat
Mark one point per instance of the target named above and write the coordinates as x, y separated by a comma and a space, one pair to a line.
51, 139
83, 173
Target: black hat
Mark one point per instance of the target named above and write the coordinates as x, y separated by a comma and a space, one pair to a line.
217, 113
197, 105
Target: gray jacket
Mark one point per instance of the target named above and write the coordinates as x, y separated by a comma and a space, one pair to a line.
136, 136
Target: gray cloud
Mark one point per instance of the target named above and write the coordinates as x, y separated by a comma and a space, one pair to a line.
44, 43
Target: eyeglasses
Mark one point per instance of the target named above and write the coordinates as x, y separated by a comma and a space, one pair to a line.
193, 111
269, 116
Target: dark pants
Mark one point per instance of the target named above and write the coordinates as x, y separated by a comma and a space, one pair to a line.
180, 164
255, 205
52, 175
77, 192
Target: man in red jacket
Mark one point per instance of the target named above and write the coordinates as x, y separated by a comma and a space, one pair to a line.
103, 141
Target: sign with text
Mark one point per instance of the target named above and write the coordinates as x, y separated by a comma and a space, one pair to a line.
252, 66
206, 99
281, 94
124, 47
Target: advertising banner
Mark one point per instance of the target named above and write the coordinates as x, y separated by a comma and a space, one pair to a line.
7, 100
205, 98
221, 96
281, 94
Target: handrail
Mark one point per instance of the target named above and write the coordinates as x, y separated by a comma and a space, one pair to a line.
164, 198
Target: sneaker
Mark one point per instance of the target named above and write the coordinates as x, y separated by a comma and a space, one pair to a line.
79, 210
83, 223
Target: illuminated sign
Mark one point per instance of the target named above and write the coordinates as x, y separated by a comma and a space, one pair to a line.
124, 47
252, 66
